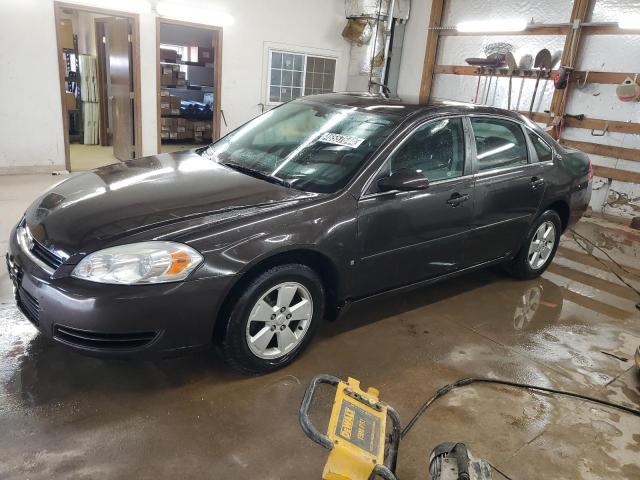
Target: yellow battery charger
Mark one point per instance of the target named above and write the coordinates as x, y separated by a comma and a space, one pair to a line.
356, 436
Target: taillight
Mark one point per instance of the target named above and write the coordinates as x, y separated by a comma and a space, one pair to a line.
590, 170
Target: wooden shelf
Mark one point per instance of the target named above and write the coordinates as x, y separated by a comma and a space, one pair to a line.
604, 150
616, 174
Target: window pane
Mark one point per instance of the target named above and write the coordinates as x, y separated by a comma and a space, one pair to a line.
286, 78
285, 94
276, 60
274, 94
329, 66
295, 93
297, 62
311, 66
436, 150
297, 79
319, 65
499, 143
327, 82
276, 77
545, 153
287, 61
308, 90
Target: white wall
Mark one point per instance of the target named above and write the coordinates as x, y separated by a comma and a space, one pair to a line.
31, 134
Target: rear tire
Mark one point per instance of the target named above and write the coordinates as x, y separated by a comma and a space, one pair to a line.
540, 247
274, 319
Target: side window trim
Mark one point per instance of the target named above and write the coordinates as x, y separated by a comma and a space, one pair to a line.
467, 165
497, 170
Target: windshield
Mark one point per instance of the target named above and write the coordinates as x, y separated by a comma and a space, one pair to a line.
309, 146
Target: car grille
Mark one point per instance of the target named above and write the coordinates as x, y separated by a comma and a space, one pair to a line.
102, 341
29, 305
46, 256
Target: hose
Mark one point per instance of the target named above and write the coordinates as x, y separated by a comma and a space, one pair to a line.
468, 381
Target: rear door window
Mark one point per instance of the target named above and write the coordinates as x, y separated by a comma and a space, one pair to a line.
499, 143
544, 151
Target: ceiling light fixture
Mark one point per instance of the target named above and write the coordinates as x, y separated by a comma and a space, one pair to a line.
129, 6
630, 22
495, 25
193, 14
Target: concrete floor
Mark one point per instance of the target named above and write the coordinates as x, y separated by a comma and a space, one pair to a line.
63, 415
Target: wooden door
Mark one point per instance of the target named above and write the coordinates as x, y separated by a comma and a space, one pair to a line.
118, 35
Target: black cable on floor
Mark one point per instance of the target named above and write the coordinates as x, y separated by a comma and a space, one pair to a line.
619, 277
468, 381
593, 244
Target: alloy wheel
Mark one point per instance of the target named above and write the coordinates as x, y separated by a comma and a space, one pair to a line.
279, 320
542, 245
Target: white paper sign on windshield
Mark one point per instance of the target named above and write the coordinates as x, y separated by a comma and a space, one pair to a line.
339, 139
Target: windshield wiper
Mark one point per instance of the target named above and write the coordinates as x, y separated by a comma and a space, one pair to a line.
257, 174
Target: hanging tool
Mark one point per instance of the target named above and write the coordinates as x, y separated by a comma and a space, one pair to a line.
483, 64
542, 63
524, 68
561, 78
513, 66
555, 60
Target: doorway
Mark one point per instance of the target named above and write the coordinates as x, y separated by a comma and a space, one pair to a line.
189, 73
98, 54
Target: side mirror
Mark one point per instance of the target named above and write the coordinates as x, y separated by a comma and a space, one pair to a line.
404, 180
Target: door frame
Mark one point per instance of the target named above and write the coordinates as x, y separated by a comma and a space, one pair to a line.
217, 73
58, 7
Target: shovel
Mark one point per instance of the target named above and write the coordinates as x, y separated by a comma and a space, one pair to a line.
513, 66
555, 59
542, 63
524, 65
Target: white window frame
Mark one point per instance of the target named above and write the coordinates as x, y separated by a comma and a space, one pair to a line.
270, 47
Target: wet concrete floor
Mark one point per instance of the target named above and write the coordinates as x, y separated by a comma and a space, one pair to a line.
63, 415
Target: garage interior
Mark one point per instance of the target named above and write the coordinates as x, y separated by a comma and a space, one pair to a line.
193, 72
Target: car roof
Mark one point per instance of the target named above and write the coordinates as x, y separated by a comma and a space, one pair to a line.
405, 108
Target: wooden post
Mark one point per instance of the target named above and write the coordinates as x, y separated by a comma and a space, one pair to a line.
433, 36
581, 8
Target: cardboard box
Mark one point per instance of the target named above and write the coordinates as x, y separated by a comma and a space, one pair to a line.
164, 92
205, 55
167, 70
167, 79
168, 55
182, 75
70, 100
175, 101
200, 75
66, 34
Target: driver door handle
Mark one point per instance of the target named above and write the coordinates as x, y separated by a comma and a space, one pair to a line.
456, 199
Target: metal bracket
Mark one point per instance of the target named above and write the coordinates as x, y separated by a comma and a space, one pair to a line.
603, 133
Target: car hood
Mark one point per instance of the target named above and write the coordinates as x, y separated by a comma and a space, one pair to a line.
92, 209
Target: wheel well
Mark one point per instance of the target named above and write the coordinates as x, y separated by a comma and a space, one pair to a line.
318, 262
562, 209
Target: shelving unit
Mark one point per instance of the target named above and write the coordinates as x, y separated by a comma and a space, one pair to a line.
72, 78
183, 127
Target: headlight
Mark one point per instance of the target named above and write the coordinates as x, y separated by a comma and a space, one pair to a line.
139, 263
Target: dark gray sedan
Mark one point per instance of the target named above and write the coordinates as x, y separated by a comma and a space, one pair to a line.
249, 243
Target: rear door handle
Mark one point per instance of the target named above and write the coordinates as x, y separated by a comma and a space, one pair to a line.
456, 199
536, 183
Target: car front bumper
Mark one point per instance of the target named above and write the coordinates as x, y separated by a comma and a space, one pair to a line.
116, 320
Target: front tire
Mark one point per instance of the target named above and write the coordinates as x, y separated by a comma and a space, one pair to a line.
274, 319
539, 249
